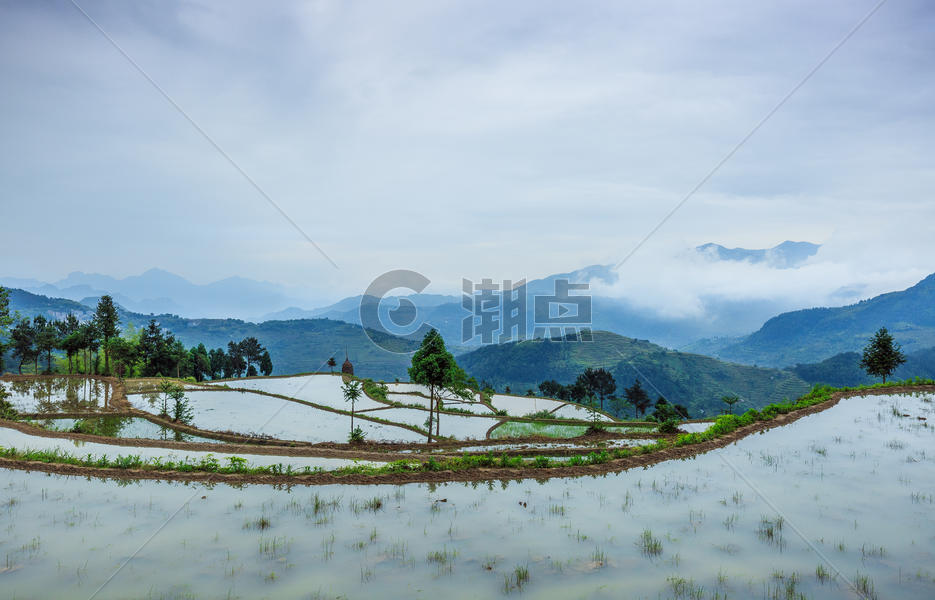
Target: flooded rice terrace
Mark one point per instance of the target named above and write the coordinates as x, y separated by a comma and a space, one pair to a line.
772, 516
250, 413
58, 394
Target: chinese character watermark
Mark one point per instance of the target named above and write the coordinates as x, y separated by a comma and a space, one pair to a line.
493, 312
500, 312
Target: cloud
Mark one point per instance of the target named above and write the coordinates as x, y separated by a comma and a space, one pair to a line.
466, 139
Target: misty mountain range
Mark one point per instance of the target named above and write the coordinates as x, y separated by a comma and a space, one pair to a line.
160, 292
817, 345
786, 255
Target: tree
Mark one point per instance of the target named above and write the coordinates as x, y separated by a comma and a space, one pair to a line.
351, 390
47, 339
68, 340
200, 362
433, 366
597, 382
6, 319
252, 350
638, 397
24, 340
107, 320
668, 412
218, 359
153, 352
235, 358
266, 364
179, 357
882, 355
181, 410
167, 387
90, 342
124, 353
576, 392
551, 389
332, 363
730, 400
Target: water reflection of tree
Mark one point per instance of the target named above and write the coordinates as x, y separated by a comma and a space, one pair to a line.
152, 399
63, 394
169, 434
112, 426
109, 426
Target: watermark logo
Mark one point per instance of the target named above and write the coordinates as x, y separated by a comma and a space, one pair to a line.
507, 311
492, 312
384, 318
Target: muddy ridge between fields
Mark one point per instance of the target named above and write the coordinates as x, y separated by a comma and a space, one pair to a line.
479, 474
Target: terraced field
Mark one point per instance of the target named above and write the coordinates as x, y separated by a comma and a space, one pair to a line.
784, 514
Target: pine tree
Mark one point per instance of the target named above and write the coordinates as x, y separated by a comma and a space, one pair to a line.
107, 320
638, 397
882, 355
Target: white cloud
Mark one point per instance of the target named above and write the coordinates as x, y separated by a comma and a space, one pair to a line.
465, 139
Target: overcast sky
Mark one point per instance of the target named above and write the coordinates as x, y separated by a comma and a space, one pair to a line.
476, 139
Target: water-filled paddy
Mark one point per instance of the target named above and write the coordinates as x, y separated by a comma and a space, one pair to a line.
10, 438
559, 430
452, 425
684, 529
520, 406
249, 413
694, 427
477, 408
576, 411
58, 394
122, 427
407, 388
318, 389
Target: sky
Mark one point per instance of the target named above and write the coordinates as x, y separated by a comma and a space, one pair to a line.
470, 139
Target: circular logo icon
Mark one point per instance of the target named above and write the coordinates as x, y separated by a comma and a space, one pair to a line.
385, 318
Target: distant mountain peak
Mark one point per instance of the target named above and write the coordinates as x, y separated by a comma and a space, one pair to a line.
786, 255
160, 291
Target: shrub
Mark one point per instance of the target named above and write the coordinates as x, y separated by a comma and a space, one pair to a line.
669, 426
356, 436
595, 427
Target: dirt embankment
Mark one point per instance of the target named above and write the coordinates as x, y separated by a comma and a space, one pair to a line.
479, 474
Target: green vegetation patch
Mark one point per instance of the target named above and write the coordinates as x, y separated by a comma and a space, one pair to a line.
528, 428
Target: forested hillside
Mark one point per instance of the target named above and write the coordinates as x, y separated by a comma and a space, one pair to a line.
295, 346
844, 369
813, 335
695, 381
